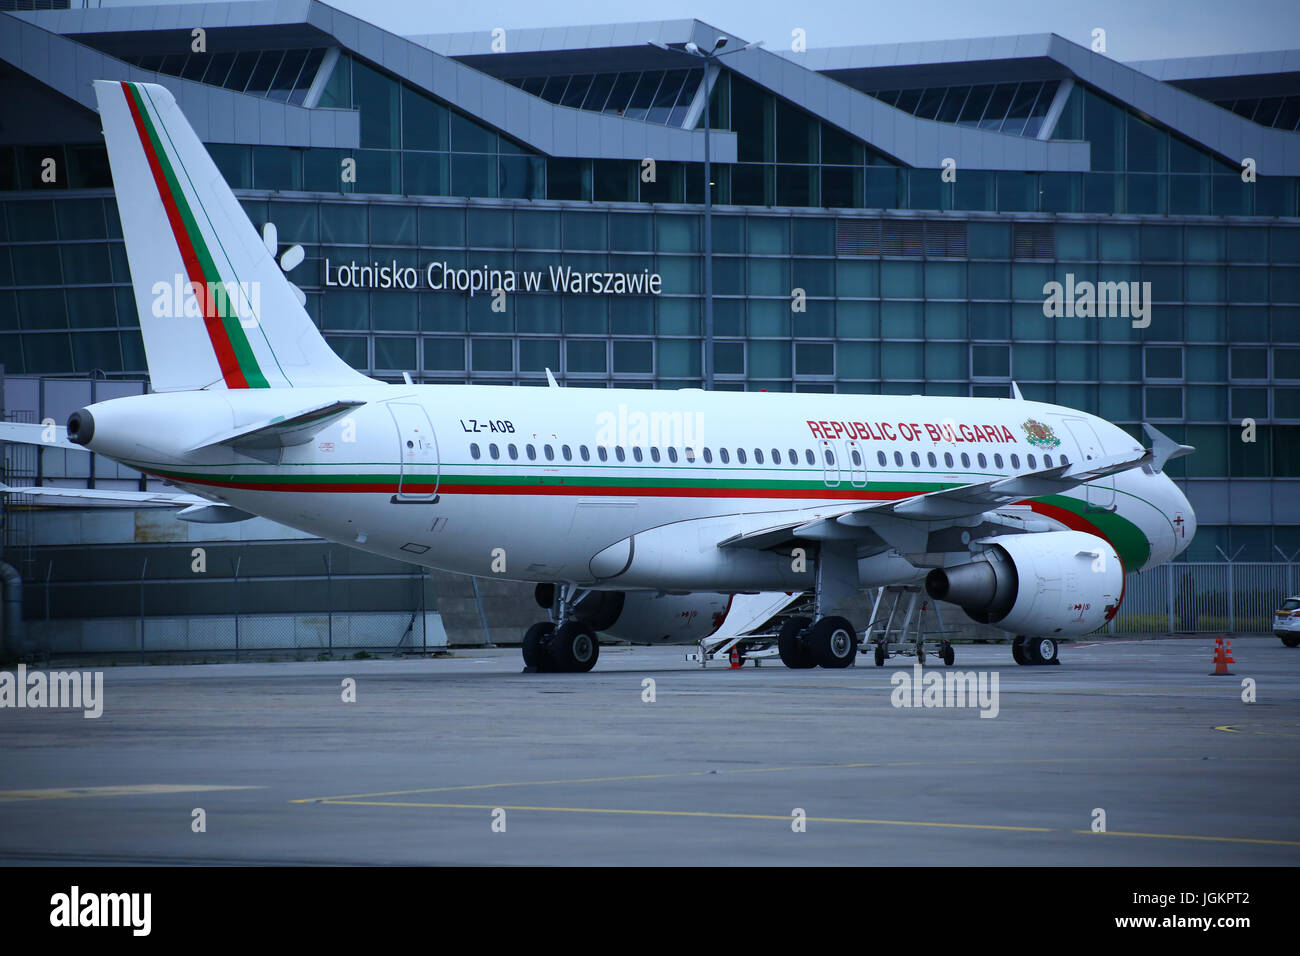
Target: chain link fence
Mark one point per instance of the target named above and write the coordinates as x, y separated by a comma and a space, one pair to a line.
1208, 597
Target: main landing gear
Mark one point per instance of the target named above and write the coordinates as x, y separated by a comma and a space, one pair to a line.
569, 646
1035, 650
824, 640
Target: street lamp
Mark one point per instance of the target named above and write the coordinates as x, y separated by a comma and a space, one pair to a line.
711, 70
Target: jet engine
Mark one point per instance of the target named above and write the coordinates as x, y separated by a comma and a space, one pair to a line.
1048, 584
647, 617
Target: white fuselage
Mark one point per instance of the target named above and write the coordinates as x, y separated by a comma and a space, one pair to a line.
535, 484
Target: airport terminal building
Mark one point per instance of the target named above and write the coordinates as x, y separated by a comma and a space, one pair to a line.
885, 220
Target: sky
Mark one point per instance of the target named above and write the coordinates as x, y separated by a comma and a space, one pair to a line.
1135, 29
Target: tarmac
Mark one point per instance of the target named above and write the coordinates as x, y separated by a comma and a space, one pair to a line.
1129, 753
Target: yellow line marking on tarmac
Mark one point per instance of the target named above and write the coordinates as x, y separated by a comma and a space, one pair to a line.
708, 773
1184, 836
1229, 729
129, 790
690, 813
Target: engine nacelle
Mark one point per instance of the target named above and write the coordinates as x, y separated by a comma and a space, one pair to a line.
1050, 584
647, 617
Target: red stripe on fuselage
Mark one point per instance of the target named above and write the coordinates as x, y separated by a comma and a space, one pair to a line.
212, 322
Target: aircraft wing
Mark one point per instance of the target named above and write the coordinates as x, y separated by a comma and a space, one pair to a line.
936, 509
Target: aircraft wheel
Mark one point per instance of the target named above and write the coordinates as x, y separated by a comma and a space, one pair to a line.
880, 655
1042, 650
574, 647
791, 646
920, 654
946, 652
1291, 640
1018, 651
833, 642
536, 654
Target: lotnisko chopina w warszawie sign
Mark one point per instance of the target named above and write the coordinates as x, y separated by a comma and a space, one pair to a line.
441, 277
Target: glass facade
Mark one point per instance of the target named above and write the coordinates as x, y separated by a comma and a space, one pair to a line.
835, 268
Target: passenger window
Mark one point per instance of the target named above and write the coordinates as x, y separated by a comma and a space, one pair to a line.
724, 455
636, 452
1047, 461
794, 457
880, 457
586, 455
947, 459
1033, 462
934, 463
997, 462
654, 454
830, 457
1065, 460
531, 452
916, 460
690, 455
708, 456
566, 452
965, 460
758, 456
1015, 462
473, 451
601, 453
740, 455
809, 456
898, 459
672, 455
984, 462
776, 457
619, 453
857, 459
494, 451
550, 453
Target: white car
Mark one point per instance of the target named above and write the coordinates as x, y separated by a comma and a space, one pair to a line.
1286, 621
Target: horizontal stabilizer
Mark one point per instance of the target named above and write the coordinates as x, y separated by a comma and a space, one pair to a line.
51, 436
175, 499
281, 431
1164, 448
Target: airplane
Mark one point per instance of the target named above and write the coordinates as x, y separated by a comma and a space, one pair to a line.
639, 514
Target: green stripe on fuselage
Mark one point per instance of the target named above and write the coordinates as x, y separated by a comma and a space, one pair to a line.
234, 330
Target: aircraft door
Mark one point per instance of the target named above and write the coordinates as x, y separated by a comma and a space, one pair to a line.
1100, 492
417, 450
856, 464
830, 463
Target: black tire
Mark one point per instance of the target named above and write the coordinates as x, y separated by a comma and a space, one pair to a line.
833, 643
574, 648
920, 655
1018, 652
880, 655
1291, 640
1041, 650
536, 653
947, 654
794, 654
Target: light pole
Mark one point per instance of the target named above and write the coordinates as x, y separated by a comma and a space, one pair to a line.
711, 70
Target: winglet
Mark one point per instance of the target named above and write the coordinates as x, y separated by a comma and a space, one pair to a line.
1164, 448
550, 380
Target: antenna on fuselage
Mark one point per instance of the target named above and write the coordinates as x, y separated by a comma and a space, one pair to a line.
550, 380
1015, 392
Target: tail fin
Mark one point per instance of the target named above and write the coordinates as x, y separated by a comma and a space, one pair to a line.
215, 307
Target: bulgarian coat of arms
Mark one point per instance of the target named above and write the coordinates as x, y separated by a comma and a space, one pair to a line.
1039, 434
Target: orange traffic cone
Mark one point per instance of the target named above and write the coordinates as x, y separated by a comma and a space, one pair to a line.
734, 659
1222, 658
